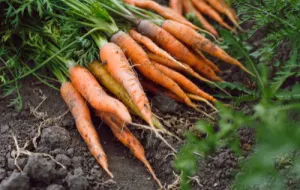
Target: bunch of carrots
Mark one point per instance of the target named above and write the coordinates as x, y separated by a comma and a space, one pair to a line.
165, 52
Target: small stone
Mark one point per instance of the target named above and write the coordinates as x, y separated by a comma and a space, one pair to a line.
76, 182
55, 187
78, 171
57, 151
76, 161
4, 128
40, 169
16, 181
70, 152
61, 173
63, 159
2, 173
55, 137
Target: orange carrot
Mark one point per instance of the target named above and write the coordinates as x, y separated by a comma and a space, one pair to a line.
128, 139
177, 6
144, 65
183, 82
118, 66
189, 9
150, 45
188, 70
90, 89
204, 8
197, 41
176, 48
81, 114
208, 62
223, 8
163, 11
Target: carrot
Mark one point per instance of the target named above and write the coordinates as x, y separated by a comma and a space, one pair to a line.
102, 75
208, 62
128, 139
223, 8
118, 66
150, 45
81, 114
183, 82
177, 6
90, 89
144, 65
176, 48
206, 9
189, 9
197, 41
163, 11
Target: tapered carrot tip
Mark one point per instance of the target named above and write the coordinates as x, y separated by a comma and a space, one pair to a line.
108, 172
245, 69
147, 164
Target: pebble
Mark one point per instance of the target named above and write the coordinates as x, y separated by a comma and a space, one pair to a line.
16, 181
4, 128
63, 159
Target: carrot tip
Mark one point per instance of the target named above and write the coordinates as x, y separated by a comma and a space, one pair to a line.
109, 173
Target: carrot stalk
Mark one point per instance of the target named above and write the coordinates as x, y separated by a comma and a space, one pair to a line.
183, 82
144, 65
176, 48
197, 41
150, 45
91, 90
204, 8
189, 9
118, 66
128, 139
81, 114
177, 6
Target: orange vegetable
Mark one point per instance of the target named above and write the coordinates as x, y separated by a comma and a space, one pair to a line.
81, 114
86, 84
118, 66
177, 6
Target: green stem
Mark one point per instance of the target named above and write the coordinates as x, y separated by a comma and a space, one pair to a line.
99, 40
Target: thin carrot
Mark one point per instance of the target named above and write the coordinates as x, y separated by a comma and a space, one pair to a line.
90, 89
81, 114
189, 9
176, 48
208, 62
223, 8
144, 65
183, 82
177, 6
150, 45
197, 41
118, 66
128, 139
161, 10
204, 8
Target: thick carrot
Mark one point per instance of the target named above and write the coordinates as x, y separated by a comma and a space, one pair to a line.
223, 8
81, 114
176, 48
163, 11
197, 41
177, 6
102, 75
142, 63
188, 70
204, 8
128, 139
90, 89
189, 9
151, 46
183, 82
118, 66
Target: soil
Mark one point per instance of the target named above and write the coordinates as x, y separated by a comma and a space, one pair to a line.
44, 110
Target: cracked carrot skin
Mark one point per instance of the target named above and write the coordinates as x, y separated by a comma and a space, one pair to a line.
81, 114
165, 12
142, 63
184, 83
90, 89
204, 8
118, 66
198, 42
128, 139
189, 9
168, 42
